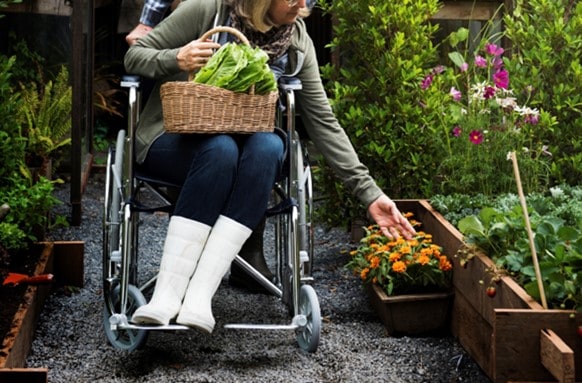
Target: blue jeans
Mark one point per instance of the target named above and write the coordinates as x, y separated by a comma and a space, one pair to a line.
230, 175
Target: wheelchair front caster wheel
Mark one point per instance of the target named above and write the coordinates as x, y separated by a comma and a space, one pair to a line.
129, 339
308, 335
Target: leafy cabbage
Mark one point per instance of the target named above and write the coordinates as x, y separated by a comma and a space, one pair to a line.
237, 67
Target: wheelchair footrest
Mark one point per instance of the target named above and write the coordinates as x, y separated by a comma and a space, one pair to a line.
120, 322
298, 322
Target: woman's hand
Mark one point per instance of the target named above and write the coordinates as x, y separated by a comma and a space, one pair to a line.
195, 54
392, 223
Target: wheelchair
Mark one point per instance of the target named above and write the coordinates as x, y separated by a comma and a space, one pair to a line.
290, 207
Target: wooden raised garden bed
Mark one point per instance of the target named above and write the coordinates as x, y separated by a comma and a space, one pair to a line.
511, 336
65, 261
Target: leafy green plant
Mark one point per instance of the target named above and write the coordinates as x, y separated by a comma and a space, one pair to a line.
501, 234
29, 204
546, 40
6, 3
383, 48
28, 201
45, 115
482, 120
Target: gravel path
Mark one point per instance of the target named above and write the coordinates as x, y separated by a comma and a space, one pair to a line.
354, 346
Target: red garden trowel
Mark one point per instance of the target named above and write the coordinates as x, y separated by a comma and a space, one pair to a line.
14, 279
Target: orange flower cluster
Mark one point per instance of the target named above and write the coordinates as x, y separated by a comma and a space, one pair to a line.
400, 264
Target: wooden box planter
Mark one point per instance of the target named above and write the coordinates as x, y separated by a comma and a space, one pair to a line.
65, 261
511, 336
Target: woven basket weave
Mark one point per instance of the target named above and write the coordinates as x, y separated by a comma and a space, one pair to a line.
189, 107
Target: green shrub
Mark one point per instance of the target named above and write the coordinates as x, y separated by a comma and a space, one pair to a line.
546, 38
29, 201
383, 48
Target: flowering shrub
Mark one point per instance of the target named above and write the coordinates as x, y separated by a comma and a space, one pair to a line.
399, 265
482, 121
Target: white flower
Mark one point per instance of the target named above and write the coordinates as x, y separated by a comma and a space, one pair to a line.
556, 192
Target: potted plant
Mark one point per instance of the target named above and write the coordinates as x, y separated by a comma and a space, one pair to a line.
409, 281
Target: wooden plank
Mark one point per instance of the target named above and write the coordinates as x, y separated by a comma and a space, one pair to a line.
18, 341
23, 375
467, 10
69, 263
557, 357
48, 7
517, 342
473, 332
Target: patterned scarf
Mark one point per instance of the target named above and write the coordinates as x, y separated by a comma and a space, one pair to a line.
275, 41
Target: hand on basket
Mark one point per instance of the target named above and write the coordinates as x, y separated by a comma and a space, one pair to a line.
195, 54
392, 223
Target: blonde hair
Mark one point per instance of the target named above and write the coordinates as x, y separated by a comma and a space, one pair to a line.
254, 13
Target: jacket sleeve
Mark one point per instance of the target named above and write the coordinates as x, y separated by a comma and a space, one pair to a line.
328, 136
154, 55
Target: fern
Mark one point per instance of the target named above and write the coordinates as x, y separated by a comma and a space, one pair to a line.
46, 115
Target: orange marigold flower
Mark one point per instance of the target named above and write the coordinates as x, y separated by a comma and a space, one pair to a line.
374, 262
408, 214
364, 273
413, 242
426, 252
399, 267
423, 259
395, 256
444, 263
405, 250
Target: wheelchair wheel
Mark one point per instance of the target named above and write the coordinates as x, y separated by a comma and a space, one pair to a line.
308, 336
127, 340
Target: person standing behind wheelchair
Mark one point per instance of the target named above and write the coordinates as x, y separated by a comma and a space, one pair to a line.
227, 179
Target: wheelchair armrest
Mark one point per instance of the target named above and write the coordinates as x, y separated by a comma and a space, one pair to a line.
130, 81
289, 83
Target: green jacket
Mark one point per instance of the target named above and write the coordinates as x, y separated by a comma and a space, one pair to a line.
154, 56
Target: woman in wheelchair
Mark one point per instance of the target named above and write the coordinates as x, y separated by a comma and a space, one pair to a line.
227, 179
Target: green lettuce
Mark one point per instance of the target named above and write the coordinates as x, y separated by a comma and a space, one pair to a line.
237, 67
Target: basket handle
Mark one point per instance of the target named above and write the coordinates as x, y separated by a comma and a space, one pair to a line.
238, 34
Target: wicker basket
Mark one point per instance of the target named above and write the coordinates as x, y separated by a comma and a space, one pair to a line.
189, 107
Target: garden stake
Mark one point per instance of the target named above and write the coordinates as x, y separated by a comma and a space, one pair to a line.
529, 232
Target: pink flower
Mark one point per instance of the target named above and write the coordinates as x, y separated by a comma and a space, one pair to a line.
464, 67
438, 69
426, 82
480, 62
494, 50
456, 94
457, 131
476, 137
488, 92
497, 63
501, 79
532, 119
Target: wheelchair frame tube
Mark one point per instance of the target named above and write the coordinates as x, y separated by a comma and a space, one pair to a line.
129, 225
293, 236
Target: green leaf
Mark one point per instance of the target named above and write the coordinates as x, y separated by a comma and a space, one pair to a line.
471, 225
